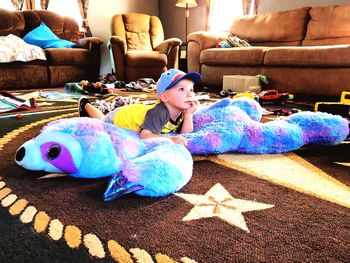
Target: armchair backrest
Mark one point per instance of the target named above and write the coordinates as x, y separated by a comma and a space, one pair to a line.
139, 31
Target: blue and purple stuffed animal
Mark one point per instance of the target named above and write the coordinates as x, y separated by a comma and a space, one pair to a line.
90, 148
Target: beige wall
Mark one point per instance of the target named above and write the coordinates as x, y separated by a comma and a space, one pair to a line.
278, 5
174, 22
100, 14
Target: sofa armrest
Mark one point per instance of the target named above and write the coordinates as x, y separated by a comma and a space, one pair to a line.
167, 45
198, 41
90, 42
207, 39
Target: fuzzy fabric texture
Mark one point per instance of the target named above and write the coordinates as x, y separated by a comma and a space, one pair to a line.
90, 148
233, 125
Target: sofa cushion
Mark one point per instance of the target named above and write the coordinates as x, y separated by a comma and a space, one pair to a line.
330, 56
43, 37
270, 27
63, 27
145, 59
74, 56
328, 25
233, 56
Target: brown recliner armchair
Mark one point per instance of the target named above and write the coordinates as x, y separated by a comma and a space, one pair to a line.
139, 49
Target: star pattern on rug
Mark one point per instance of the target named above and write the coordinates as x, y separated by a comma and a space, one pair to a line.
344, 164
218, 202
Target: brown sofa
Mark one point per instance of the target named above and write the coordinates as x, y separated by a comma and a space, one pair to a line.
303, 51
62, 65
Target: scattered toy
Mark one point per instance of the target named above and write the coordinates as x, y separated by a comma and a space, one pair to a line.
273, 96
341, 108
19, 116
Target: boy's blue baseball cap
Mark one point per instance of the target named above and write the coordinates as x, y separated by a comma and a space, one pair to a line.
171, 77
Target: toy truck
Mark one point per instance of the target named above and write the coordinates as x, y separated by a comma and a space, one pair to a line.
273, 96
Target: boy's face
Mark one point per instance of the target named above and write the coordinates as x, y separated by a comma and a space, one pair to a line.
179, 96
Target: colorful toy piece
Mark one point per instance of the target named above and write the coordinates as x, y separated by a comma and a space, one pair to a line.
341, 108
273, 96
345, 97
90, 148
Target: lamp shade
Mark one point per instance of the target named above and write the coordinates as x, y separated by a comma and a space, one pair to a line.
183, 3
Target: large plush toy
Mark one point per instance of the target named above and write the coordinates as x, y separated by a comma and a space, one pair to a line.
90, 148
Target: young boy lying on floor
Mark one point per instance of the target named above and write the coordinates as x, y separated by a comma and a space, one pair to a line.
172, 114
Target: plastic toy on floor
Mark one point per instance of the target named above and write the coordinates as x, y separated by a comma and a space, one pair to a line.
90, 148
341, 108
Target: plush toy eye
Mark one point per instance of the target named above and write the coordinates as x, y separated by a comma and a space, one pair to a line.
53, 152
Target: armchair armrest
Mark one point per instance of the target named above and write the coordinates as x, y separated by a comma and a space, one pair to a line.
118, 47
167, 45
90, 42
118, 42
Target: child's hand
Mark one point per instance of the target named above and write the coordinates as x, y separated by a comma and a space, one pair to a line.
179, 140
194, 107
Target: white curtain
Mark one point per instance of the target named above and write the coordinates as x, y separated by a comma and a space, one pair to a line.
220, 13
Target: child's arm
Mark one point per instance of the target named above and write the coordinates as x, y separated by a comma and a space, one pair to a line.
145, 134
187, 125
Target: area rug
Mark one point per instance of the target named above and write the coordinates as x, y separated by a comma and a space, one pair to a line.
292, 207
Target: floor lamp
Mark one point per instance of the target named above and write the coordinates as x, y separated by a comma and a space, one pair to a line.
186, 4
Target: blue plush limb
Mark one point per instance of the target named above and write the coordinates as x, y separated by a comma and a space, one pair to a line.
224, 127
320, 128
163, 170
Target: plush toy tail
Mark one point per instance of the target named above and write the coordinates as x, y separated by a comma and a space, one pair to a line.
321, 128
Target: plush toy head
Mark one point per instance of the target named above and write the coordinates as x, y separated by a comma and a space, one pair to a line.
80, 147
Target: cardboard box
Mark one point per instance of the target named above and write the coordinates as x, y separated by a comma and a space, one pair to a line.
241, 83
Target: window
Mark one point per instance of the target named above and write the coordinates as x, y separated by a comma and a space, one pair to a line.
222, 13
68, 8
7, 4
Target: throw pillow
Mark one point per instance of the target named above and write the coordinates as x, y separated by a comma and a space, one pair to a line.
223, 44
43, 37
236, 41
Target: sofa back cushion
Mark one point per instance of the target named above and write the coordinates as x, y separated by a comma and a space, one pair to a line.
328, 25
286, 27
63, 27
11, 23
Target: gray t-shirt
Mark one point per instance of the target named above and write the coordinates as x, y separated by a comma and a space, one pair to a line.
158, 120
